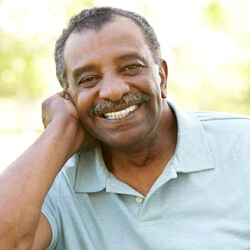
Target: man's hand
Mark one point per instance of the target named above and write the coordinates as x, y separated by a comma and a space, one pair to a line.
60, 108
25, 183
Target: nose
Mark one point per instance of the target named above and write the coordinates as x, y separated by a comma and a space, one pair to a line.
113, 87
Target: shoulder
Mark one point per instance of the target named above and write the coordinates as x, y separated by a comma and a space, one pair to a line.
220, 116
228, 137
224, 122
64, 180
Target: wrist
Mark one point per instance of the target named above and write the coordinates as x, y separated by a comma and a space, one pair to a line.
65, 132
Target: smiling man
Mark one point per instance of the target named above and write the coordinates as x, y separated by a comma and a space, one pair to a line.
144, 173
118, 82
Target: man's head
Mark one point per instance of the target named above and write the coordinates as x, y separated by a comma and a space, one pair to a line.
95, 19
115, 79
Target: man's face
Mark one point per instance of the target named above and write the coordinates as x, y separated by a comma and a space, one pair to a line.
104, 66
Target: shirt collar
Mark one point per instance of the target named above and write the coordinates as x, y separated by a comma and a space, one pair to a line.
91, 173
192, 154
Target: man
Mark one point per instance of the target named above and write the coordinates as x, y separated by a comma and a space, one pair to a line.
145, 174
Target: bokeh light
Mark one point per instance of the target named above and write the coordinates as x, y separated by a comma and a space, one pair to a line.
205, 42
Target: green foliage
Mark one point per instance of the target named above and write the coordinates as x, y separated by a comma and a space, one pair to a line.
27, 65
18, 71
215, 14
212, 69
211, 66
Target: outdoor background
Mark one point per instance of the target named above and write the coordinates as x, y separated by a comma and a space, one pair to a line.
206, 44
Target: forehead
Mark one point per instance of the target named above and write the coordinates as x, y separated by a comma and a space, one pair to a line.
117, 37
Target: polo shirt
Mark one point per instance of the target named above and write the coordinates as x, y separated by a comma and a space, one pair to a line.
200, 201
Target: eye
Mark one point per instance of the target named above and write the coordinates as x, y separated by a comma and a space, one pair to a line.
132, 69
89, 81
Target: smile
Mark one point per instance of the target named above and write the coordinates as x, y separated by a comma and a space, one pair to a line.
121, 113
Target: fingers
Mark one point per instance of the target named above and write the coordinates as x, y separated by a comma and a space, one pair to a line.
61, 94
58, 103
67, 96
46, 116
62, 106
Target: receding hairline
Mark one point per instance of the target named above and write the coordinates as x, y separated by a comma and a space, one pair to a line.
99, 17
115, 18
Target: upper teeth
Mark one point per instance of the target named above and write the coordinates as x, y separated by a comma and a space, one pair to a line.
121, 113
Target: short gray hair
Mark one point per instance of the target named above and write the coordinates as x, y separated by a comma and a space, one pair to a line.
95, 18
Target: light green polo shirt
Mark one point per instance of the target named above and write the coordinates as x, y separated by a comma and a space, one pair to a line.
201, 201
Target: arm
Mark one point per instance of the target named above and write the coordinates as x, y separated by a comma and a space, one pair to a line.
25, 183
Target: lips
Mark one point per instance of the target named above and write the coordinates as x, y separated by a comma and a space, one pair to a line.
121, 113
131, 99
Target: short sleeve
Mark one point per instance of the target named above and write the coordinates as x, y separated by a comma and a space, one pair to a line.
49, 209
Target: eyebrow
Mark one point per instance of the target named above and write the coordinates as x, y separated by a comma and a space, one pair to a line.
78, 71
130, 56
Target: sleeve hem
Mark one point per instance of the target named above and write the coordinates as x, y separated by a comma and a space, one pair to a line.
53, 226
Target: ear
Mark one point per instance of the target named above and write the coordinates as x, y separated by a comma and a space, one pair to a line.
68, 89
163, 71
69, 93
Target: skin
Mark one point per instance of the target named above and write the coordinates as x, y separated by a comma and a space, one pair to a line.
106, 65
25, 183
136, 148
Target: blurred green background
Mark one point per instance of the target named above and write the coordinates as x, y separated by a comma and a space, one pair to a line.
206, 45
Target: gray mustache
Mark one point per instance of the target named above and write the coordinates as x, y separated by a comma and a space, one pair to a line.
126, 99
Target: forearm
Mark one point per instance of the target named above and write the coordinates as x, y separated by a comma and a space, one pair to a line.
25, 183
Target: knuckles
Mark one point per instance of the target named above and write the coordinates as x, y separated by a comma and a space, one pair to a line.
49, 108
59, 103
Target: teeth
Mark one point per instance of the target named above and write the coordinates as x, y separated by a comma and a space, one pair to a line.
121, 113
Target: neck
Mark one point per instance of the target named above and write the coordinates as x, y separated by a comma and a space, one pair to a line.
141, 164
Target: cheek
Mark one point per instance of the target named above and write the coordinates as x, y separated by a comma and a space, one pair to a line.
85, 101
83, 104
154, 81
84, 98
148, 83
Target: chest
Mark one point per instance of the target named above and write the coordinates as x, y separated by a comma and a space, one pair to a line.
181, 214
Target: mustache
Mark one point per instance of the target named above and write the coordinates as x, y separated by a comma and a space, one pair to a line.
132, 98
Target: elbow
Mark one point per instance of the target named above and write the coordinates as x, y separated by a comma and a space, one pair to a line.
13, 239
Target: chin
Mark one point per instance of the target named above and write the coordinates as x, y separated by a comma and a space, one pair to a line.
124, 142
